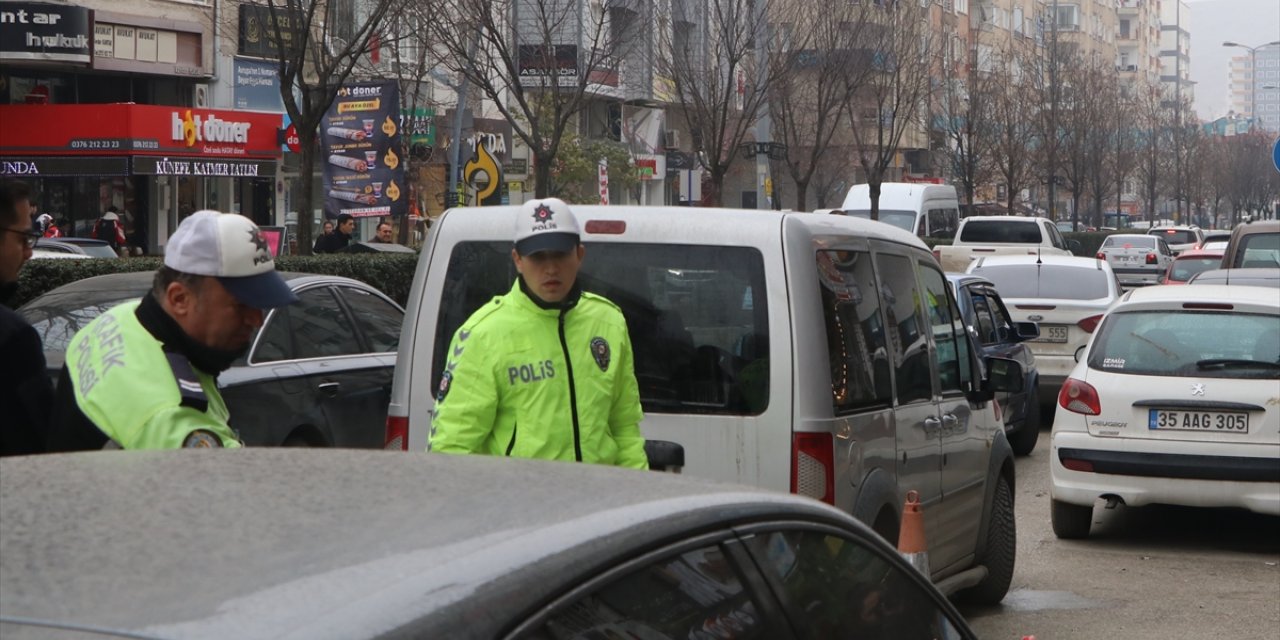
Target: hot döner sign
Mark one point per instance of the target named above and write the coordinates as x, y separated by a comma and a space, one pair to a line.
208, 128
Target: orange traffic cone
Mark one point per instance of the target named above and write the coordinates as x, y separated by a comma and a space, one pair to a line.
911, 543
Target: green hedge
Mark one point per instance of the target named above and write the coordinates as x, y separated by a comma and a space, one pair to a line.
1089, 241
391, 273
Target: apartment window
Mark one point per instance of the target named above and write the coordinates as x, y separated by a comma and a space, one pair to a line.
962, 6
1017, 20
1068, 16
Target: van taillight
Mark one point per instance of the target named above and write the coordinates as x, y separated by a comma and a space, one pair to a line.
813, 466
612, 227
397, 437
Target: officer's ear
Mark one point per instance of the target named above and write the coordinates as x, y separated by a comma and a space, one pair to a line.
182, 298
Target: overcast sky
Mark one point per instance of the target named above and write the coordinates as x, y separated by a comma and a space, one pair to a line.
1249, 22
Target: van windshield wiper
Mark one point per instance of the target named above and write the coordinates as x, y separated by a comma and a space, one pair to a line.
1231, 363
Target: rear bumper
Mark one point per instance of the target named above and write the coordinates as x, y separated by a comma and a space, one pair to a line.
1137, 276
1196, 474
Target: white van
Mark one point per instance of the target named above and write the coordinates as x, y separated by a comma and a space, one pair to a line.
927, 210
820, 355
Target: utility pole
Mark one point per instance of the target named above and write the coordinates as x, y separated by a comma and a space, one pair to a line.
1053, 112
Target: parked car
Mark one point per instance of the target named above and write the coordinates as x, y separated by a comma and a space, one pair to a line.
1253, 245
1216, 235
1136, 259
1240, 277
318, 372
319, 544
1168, 406
821, 355
82, 246
45, 254
987, 236
1179, 238
995, 333
1067, 296
1189, 263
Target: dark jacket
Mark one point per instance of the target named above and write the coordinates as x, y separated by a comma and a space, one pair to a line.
332, 243
26, 394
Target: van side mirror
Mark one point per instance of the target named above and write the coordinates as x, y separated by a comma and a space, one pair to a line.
1004, 374
1027, 330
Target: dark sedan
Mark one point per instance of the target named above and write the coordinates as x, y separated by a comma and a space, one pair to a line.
375, 544
995, 334
79, 246
318, 374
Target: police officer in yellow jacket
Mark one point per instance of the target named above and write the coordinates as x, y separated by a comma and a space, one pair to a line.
546, 370
143, 375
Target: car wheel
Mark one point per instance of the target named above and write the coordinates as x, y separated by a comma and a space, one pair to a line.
1000, 551
1070, 521
1024, 439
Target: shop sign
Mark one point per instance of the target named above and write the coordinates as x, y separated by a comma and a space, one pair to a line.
646, 169
190, 129
54, 167
38, 31
516, 166
419, 124
263, 29
548, 65
151, 166
257, 86
361, 144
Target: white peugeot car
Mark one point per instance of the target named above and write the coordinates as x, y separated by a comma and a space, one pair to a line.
1173, 402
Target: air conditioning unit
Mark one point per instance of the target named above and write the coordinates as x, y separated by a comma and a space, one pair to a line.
671, 139
200, 96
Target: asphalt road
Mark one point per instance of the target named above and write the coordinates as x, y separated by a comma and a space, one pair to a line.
1143, 573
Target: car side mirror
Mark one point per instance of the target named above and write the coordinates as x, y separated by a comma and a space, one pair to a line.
1073, 245
1027, 330
1004, 374
664, 455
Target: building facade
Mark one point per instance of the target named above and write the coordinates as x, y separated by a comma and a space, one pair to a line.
1255, 86
1175, 52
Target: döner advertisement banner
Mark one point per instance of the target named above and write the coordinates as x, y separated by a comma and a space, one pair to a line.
363, 158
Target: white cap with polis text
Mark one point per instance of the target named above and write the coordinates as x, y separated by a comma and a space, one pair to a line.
231, 248
546, 225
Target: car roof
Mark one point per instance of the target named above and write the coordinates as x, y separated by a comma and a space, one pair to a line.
334, 543
76, 240
1199, 253
141, 281
1174, 297
1176, 227
1005, 218
964, 279
1122, 236
1263, 276
1049, 259
713, 226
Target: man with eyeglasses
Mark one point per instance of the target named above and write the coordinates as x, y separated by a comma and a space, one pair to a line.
26, 394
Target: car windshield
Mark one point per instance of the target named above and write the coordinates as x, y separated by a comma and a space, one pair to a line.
1259, 250
1177, 236
1011, 230
1047, 281
58, 316
905, 220
1126, 242
696, 314
1185, 268
1175, 343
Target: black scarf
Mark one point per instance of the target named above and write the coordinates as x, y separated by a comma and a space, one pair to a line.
165, 329
569, 302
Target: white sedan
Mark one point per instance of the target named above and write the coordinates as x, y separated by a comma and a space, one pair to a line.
1172, 403
1066, 295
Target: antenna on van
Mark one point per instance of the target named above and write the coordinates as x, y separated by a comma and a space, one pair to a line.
1039, 251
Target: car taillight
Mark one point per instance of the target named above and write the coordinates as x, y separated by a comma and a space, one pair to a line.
1090, 323
1102, 256
937, 253
397, 433
813, 466
1079, 396
1151, 258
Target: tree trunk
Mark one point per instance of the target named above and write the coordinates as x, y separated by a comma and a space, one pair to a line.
713, 190
306, 179
802, 195
541, 174
873, 188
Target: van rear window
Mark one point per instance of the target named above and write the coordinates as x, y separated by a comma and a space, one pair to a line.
1013, 230
697, 316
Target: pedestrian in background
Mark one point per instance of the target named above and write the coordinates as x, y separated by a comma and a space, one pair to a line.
341, 236
546, 370
109, 229
25, 390
146, 372
383, 233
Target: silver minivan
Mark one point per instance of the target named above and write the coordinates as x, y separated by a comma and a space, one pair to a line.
820, 355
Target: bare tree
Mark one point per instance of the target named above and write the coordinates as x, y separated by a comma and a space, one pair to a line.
817, 65
1015, 134
1105, 122
1152, 121
316, 45
967, 120
719, 88
540, 62
1080, 146
888, 101
1125, 145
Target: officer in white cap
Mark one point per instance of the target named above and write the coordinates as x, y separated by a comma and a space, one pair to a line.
143, 375
546, 370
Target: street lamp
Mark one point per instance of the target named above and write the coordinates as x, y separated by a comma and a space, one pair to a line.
1253, 72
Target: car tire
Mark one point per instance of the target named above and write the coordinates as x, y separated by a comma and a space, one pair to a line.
1070, 521
1000, 551
1024, 439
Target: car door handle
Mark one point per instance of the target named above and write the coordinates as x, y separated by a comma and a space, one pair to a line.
330, 388
950, 419
931, 423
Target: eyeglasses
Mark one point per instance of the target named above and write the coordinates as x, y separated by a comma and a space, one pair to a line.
29, 237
